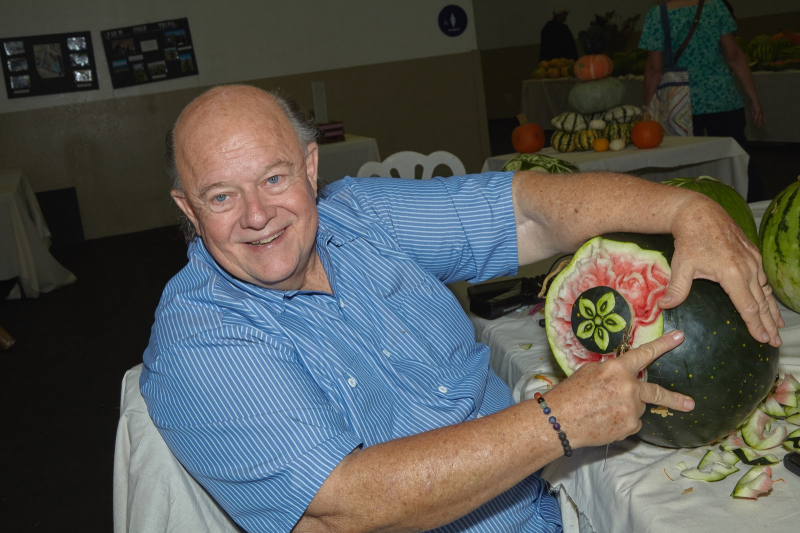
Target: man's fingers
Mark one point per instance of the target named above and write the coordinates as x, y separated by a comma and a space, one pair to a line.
652, 393
641, 357
678, 289
761, 322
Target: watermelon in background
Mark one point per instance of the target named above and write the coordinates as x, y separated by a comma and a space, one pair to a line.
780, 245
724, 195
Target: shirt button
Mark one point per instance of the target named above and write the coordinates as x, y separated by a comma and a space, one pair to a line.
341, 303
352, 382
442, 389
386, 353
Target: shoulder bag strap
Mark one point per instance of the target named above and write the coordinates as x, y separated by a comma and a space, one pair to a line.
691, 30
668, 62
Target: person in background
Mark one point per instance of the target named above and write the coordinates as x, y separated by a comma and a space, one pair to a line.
557, 40
713, 58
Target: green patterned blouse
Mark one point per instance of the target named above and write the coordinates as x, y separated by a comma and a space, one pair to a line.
710, 79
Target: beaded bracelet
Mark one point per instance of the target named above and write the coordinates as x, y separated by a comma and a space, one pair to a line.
561, 435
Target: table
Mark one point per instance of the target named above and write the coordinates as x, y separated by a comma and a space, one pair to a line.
632, 491
719, 157
25, 239
337, 160
777, 91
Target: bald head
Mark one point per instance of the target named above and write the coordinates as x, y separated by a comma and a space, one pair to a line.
220, 116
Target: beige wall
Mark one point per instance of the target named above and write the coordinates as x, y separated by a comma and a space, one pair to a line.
112, 150
504, 69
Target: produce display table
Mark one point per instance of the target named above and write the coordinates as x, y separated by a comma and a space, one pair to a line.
719, 157
632, 491
25, 239
337, 160
544, 99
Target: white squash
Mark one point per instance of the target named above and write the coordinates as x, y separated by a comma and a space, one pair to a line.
597, 124
616, 145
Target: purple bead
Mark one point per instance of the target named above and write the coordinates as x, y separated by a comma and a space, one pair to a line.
552, 419
547, 410
556, 426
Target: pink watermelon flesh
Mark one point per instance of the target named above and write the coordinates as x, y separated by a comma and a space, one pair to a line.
759, 434
785, 391
641, 282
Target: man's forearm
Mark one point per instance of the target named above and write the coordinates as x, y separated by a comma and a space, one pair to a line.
558, 213
427, 480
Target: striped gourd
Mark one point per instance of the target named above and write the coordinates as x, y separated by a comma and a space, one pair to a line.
618, 131
569, 122
624, 114
780, 245
563, 141
584, 139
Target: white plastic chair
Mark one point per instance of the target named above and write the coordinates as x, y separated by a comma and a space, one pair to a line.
405, 163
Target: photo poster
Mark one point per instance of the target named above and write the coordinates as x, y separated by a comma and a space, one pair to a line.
149, 52
48, 64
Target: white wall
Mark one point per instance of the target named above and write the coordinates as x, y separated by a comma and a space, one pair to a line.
507, 23
242, 40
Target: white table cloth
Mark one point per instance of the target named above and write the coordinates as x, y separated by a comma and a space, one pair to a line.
777, 92
25, 240
632, 492
677, 157
337, 160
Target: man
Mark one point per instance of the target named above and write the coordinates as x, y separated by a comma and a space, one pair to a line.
311, 371
556, 38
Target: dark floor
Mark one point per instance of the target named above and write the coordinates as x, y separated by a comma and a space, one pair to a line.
63, 375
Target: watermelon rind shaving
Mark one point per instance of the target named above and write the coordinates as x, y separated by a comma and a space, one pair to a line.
772, 407
792, 442
757, 481
757, 432
714, 466
584, 258
751, 458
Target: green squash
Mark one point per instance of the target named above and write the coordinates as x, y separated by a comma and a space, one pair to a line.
618, 131
563, 141
584, 139
719, 364
724, 195
595, 96
780, 245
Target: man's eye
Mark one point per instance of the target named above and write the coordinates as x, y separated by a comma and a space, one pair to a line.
220, 198
273, 180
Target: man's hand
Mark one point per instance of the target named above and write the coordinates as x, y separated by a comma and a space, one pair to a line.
710, 245
604, 402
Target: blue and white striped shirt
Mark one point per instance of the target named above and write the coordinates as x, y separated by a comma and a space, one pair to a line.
261, 393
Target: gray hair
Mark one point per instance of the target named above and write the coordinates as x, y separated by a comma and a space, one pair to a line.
304, 128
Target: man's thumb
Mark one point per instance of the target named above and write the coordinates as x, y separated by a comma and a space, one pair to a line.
677, 291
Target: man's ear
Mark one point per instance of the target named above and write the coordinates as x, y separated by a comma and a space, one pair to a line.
312, 162
186, 207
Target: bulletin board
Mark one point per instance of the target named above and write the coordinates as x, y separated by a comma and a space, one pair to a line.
48, 64
150, 52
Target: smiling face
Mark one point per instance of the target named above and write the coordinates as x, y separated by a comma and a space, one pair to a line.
248, 189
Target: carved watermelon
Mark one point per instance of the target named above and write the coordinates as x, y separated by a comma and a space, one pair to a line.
719, 364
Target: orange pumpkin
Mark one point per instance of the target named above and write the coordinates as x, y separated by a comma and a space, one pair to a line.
593, 67
527, 138
647, 134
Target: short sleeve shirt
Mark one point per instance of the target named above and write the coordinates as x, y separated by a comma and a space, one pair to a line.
261, 393
711, 83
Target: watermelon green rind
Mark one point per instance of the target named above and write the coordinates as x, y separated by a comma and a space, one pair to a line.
757, 432
724, 195
780, 245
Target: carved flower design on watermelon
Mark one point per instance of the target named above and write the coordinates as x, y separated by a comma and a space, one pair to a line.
600, 320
